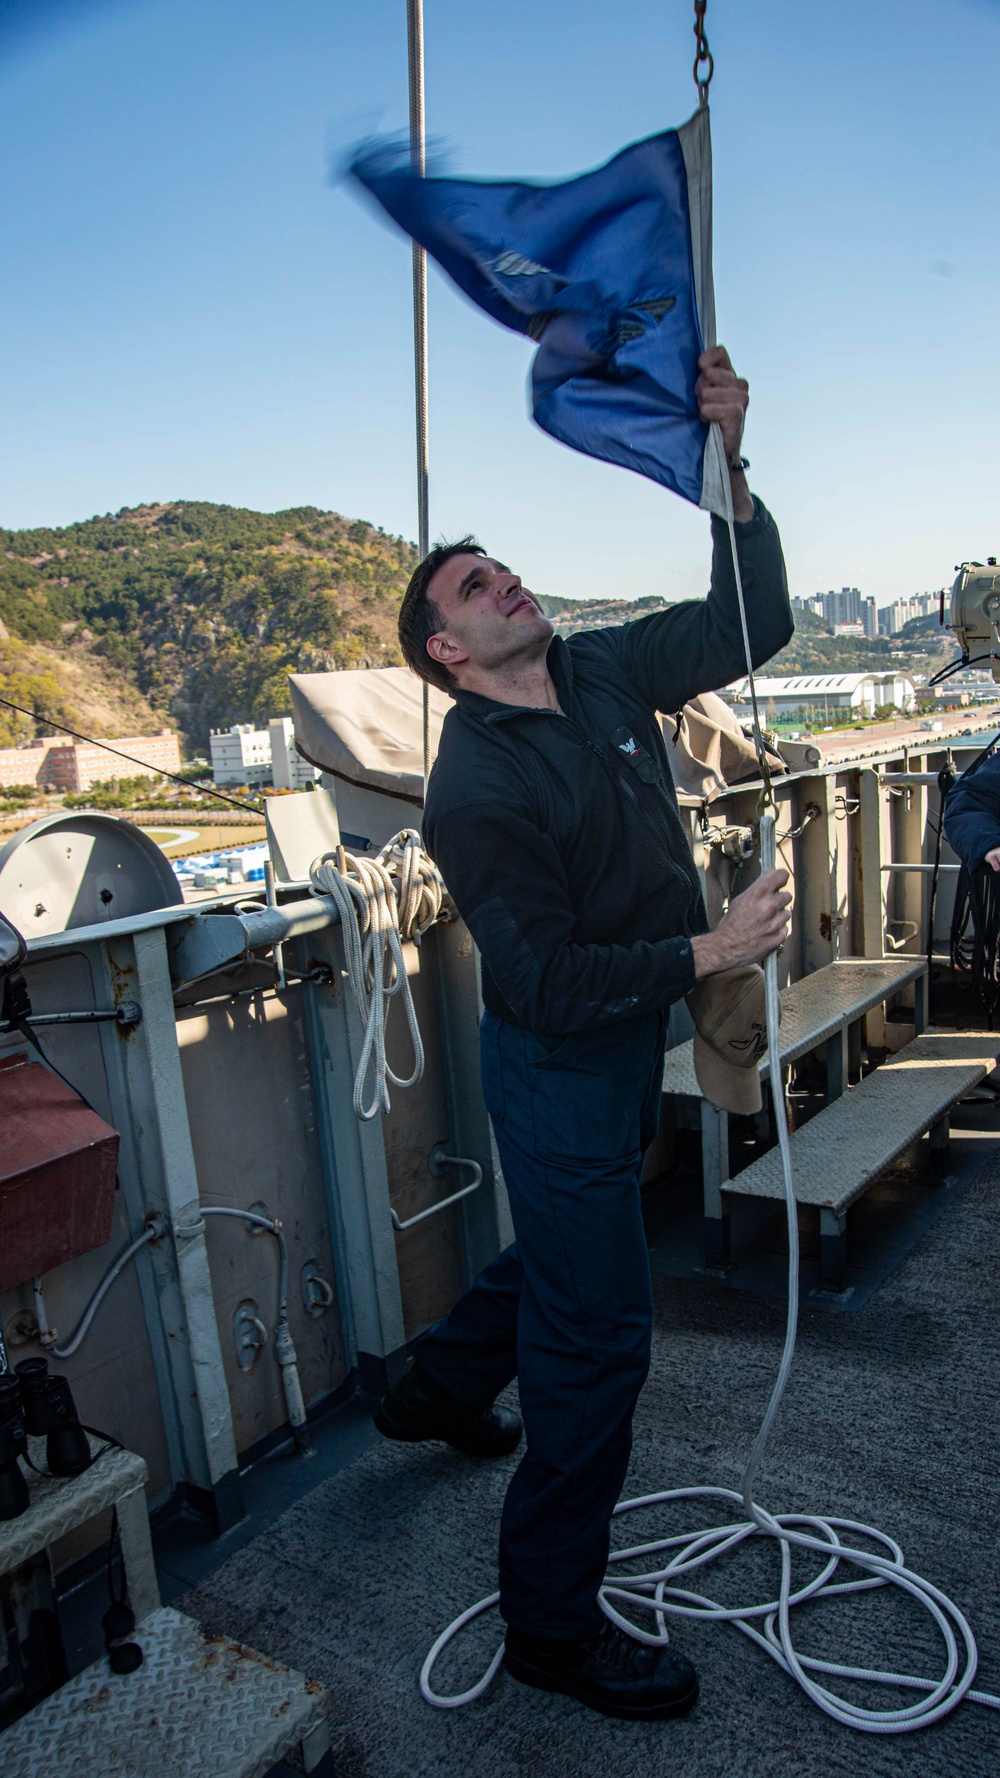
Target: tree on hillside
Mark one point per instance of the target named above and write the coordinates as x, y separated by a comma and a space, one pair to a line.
205, 609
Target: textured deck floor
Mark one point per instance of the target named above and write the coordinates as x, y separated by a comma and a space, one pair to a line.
891, 1417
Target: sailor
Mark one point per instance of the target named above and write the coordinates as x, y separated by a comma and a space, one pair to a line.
552, 816
972, 815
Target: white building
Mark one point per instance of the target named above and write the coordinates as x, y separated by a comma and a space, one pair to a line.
891, 618
819, 694
845, 613
289, 770
813, 604
241, 755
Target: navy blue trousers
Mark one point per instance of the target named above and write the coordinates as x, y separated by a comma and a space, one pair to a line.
568, 1308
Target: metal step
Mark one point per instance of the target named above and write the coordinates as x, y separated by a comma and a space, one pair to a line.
815, 1009
198, 1707
840, 1151
60, 1503
844, 1147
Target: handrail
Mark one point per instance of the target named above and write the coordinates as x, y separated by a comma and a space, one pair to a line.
436, 1165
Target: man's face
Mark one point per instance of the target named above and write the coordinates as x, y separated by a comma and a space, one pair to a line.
488, 618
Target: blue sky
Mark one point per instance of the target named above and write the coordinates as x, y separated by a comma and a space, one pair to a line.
188, 309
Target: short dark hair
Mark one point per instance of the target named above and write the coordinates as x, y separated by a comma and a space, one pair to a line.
419, 617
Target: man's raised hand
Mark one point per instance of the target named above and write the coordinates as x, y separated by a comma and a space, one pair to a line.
722, 396
754, 925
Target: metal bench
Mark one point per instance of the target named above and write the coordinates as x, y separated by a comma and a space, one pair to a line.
838, 1153
198, 1707
824, 1009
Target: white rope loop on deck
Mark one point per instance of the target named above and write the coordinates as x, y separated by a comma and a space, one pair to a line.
383, 900
657, 1591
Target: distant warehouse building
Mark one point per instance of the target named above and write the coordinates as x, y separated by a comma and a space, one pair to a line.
53, 763
814, 695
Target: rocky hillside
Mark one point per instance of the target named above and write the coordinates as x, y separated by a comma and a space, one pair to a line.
190, 614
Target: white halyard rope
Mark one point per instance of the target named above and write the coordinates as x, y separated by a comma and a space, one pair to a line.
383, 900
664, 1590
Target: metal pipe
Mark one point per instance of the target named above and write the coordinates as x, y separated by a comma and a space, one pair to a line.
275, 925
129, 1012
927, 868
47, 1336
284, 1345
206, 943
908, 778
418, 161
272, 902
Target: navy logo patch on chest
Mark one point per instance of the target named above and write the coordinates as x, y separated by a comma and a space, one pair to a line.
625, 743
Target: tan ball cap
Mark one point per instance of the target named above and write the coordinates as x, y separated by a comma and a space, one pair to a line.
730, 1037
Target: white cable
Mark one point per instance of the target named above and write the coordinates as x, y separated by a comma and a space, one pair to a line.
149, 1233
660, 1592
383, 901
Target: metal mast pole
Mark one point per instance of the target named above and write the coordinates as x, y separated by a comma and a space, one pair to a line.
415, 64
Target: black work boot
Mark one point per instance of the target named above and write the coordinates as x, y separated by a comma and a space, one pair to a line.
417, 1408
607, 1670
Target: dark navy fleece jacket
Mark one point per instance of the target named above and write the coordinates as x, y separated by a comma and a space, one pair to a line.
972, 813
559, 836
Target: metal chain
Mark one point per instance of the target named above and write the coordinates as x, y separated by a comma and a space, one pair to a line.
704, 66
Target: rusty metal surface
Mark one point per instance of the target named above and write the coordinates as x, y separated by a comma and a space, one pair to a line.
198, 1707
58, 1162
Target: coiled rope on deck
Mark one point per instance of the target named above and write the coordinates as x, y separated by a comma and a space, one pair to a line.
384, 901
661, 1591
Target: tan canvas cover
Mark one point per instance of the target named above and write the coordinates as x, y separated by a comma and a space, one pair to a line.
366, 725
708, 750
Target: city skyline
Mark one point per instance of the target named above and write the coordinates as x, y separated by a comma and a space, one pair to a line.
902, 598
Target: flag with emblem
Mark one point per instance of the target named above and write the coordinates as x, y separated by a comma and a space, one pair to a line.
611, 273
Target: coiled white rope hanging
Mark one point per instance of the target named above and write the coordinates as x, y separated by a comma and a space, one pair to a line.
661, 1592
383, 900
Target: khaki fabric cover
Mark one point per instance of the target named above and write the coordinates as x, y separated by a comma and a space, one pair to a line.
730, 1037
366, 725
708, 751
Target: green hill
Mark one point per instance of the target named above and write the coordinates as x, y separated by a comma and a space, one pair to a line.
920, 647
812, 649
190, 614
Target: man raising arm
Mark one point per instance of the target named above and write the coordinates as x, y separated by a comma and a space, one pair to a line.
552, 815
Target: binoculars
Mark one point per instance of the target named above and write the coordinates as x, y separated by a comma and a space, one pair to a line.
32, 1400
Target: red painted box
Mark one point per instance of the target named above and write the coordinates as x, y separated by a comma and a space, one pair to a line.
58, 1165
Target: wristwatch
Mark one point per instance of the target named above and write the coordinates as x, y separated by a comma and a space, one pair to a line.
737, 464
